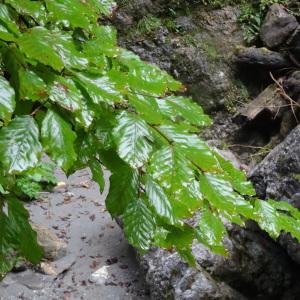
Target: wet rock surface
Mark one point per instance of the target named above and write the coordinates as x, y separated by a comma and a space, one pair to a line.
277, 177
248, 273
277, 26
262, 57
75, 215
196, 47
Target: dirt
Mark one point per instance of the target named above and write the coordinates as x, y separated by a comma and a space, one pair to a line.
76, 213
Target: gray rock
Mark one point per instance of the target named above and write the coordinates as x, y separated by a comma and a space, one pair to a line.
54, 248
199, 54
277, 26
294, 45
169, 278
184, 23
277, 177
261, 57
249, 271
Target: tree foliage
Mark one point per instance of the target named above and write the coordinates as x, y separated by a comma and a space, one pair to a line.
69, 91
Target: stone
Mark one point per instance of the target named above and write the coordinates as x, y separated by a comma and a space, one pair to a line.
294, 46
277, 177
184, 23
277, 26
248, 272
261, 57
54, 248
198, 54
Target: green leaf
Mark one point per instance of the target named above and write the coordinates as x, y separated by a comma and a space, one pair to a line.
123, 189
34, 9
27, 187
145, 78
53, 49
182, 238
23, 235
220, 195
8, 21
237, 177
38, 44
133, 139
211, 231
64, 92
7, 100
20, 148
17, 236
58, 140
43, 172
176, 175
267, 218
177, 108
104, 41
193, 147
159, 201
71, 13
147, 108
32, 87
97, 173
104, 7
139, 224
100, 88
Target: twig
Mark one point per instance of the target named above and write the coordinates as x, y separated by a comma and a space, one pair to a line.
245, 146
286, 97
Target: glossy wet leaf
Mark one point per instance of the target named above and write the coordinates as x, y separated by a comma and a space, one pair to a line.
7, 100
159, 201
133, 139
125, 182
58, 140
31, 86
211, 231
139, 224
97, 173
20, 148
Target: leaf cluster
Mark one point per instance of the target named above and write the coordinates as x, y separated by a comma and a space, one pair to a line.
68, 90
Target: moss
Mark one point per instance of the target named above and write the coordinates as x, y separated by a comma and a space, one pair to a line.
211, 51
238, 94
148, 24
297, 176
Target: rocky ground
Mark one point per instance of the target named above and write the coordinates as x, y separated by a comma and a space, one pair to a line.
88, 255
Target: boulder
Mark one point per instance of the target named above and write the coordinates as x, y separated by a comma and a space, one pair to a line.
277, 177
54, 248
277, 26
261, 57
248, 273
294, 46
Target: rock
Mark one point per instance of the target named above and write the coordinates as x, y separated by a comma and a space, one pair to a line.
277, 177
54, 248
294, 46
100, 276
248, 272
277, 26
261, 57
169, 278
292, 85
198, 53
184, 23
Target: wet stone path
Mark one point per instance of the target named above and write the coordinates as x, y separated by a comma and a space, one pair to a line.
97, 264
